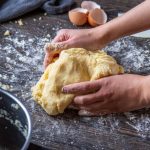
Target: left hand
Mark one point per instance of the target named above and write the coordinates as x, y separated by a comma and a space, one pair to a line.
85, 38
114, 94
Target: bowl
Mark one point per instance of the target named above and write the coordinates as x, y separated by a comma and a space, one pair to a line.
15, 123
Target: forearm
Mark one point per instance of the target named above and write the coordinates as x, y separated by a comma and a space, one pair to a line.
135, 20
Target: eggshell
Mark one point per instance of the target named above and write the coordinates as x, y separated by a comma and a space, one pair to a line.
89, 5
97, 17
78, 16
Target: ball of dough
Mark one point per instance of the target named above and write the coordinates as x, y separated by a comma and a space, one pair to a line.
73, 65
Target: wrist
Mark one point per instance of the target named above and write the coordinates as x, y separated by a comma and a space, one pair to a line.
146, 90
103, 35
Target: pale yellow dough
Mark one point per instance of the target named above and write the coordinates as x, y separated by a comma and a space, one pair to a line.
73, 65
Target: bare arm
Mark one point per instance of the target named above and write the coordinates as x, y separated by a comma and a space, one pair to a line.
116, 93
135, 20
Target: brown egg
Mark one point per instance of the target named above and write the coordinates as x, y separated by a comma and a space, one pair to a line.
89, 5
97, 17
78, 16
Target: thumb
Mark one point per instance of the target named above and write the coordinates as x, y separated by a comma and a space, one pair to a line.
62, 45
49, 47
52, 49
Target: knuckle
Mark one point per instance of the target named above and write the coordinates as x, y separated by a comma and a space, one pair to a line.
62, 31
76, 101
106, 82
102, 94
72, 41
89, 85
107, 94
81, 100
85, 87
73, 89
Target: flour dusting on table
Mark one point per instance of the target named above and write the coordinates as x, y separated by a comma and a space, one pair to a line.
22, 57
131, 55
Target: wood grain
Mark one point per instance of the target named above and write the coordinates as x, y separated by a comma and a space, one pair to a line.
69, 131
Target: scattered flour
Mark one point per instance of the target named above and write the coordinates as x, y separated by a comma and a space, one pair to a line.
22, 58
131, 55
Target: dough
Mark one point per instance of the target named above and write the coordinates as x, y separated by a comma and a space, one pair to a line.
73, 65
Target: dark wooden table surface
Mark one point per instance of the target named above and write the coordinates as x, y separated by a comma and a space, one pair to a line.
21, 56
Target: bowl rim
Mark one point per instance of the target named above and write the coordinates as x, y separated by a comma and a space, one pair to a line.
28, 138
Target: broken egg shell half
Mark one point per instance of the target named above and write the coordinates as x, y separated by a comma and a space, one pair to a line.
78, 16
89, 5
97, 17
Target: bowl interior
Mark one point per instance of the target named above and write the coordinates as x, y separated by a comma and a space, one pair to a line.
15, 125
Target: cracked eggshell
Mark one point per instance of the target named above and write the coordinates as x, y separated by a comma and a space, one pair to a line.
97, 17
78, 16
89, 5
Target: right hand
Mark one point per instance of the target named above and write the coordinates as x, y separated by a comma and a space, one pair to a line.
89, 39
114, 94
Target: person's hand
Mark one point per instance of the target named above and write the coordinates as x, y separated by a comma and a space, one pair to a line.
97, 38
80, 38
114, 94
90, 39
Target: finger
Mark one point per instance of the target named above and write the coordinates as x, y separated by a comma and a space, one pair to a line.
61, 36
87, 99
50, 47
82, 87
54, 48
47, 61
73, 107
50, 51
98, 107
88, 113
58, 38
62, 45
49, 56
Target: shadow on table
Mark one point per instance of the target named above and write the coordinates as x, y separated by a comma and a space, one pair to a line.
36, 147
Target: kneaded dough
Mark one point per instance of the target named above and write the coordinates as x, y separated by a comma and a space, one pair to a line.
73, 65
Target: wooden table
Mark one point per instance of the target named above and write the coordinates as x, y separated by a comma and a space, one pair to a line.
21, 57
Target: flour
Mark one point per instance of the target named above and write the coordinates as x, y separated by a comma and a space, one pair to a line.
140, 124
22, 57
133, 57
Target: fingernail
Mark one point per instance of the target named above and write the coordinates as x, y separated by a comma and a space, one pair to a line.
64, 90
